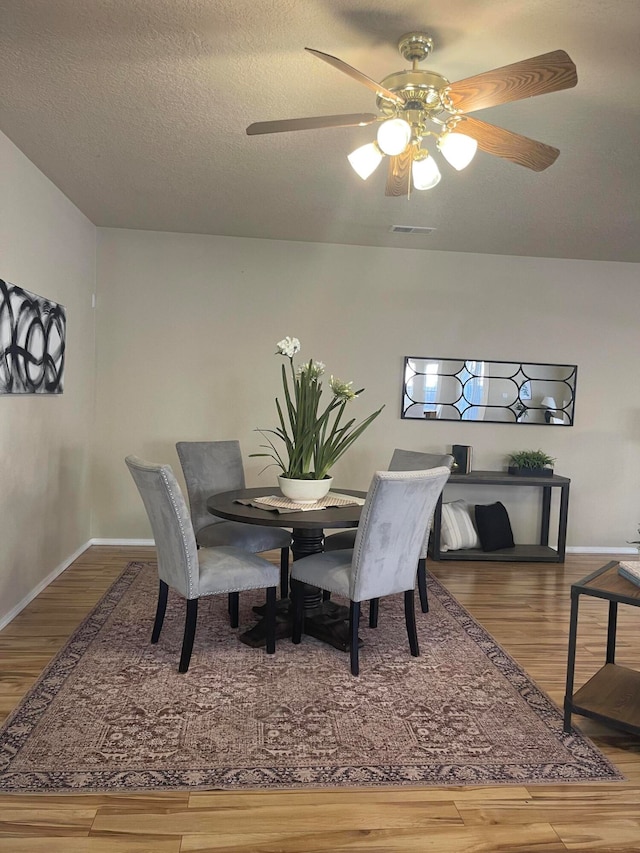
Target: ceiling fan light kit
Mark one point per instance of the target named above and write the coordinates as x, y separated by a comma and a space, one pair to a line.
416, 104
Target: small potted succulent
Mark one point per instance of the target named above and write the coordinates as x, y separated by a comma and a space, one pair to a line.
531, 463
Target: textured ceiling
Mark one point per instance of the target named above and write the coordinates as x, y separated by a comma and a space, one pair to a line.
137, 109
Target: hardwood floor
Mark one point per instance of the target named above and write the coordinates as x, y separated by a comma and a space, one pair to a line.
524, 606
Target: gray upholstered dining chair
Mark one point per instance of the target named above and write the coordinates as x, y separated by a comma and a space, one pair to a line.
389, 540
211, 467
402, 460
195, 572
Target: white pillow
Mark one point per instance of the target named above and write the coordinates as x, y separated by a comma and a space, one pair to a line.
457, 530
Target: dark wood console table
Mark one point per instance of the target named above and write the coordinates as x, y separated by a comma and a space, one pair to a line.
539, 552
612, 695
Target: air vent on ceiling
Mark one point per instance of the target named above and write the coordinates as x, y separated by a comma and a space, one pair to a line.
411, 229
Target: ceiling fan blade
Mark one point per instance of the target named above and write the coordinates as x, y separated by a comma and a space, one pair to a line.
399, 173
312, 123
357, 75
549, 72
512, 146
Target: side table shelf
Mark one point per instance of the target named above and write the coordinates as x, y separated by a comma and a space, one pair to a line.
612, 694
539, 552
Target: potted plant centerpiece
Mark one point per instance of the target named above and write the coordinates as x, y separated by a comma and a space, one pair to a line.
531, 463
313, 439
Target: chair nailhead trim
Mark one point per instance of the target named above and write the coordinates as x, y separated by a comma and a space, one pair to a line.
182, 530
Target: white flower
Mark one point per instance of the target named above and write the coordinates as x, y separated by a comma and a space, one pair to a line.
288, 346
343, 390
312, 369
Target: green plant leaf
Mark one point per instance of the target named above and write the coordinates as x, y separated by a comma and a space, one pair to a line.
313, 440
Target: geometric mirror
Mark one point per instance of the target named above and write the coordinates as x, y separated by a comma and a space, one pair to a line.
457, 389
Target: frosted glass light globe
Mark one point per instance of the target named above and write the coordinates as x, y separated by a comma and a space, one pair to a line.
365, 160
425, 173
458, 149
394, 135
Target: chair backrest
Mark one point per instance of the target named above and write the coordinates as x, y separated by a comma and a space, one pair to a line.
171, 525
391, 532
209, 467
413, 460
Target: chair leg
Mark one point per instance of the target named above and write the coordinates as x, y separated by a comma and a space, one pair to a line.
271, 620
297, 603
422, 584
163, 591
189, 634
354, 621
373, 612
284, 572
410, 619
234, 609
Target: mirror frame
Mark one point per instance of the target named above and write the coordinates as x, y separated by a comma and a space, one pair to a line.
518, 409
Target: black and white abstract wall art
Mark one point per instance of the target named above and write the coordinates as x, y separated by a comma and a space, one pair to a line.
32, 342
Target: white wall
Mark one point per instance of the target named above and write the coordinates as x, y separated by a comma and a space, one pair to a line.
48, 247
186, 332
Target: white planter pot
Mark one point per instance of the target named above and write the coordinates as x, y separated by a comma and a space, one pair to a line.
304, 491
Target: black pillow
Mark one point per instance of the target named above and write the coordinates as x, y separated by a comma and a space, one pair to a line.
494, 527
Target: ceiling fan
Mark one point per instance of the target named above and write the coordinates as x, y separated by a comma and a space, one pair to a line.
416, 104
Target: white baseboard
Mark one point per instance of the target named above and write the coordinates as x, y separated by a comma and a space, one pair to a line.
588, 549
44, 583
573, 549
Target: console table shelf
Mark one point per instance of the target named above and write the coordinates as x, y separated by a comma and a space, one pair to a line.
540, 552
612, 696
518, 554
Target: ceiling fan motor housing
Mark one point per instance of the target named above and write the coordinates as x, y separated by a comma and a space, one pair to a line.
420, 90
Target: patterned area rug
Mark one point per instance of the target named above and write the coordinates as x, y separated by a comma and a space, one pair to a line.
112, 713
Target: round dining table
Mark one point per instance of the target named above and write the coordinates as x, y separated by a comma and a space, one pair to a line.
325, 620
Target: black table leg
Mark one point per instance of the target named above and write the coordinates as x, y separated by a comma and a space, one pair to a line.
611, 632
546, 513
571, 662
562, 522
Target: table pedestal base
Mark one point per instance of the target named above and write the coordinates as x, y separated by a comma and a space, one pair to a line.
329, 622
256, 637
323, 620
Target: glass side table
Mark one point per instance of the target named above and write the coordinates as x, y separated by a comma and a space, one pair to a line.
612, 695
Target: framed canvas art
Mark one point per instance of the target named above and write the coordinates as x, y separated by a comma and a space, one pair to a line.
32, 342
